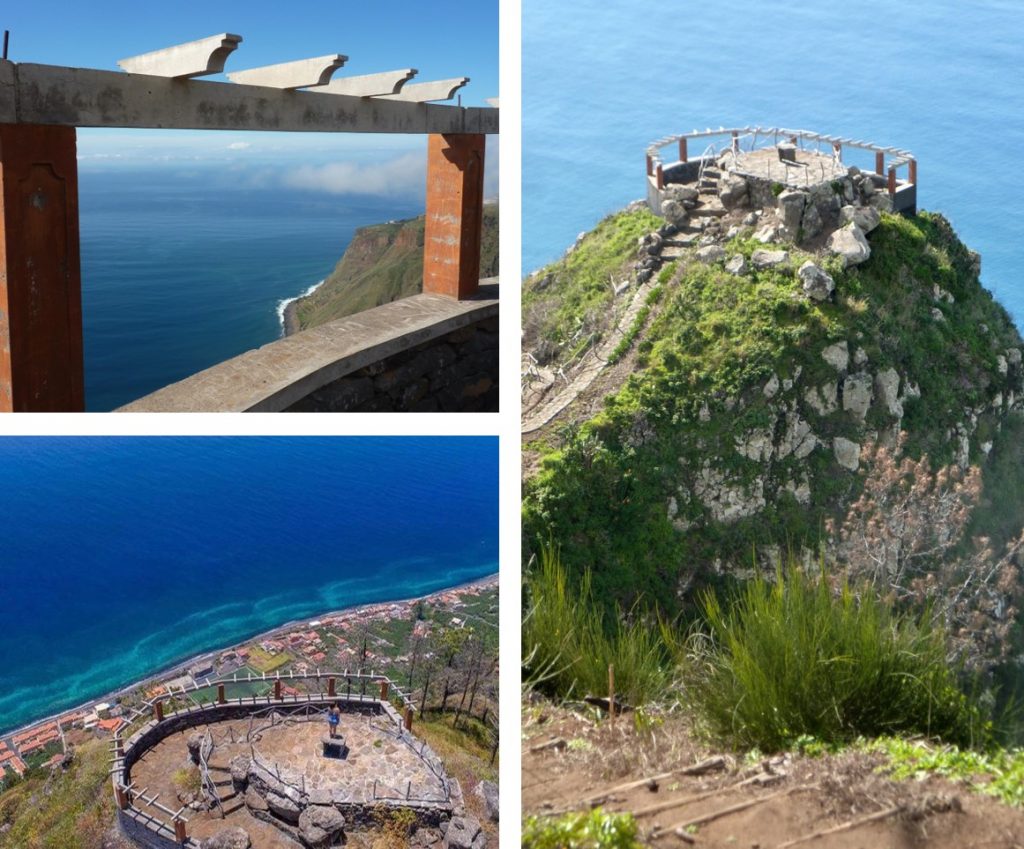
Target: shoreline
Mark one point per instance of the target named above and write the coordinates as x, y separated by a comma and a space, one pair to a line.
287, 310
182, 666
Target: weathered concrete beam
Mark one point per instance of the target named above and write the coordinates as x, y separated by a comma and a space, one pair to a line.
78, 97
369, 85
305, 73
426, 92
192, 59
276, 376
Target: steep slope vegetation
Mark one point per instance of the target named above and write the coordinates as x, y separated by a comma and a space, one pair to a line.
383, 263
743, 412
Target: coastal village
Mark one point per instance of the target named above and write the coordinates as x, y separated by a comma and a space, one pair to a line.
392, 638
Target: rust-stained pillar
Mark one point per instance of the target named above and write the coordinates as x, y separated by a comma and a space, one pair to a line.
455, 210
660, 176
221, 697
650, 166
40, 273
121, 796
879, 163
912, 168
180, 834
383, 691
330, 687
158, 710
892, 181
408, 719
277, 689
682, 152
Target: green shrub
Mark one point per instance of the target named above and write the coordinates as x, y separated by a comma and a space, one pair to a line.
592, 830
791, 658
567, 647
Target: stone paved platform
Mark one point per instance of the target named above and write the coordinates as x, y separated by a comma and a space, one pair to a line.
810, 168
378, 765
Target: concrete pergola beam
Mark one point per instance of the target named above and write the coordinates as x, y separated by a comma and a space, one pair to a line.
370, 85
426, 92
305, 73
81, 97
192, 59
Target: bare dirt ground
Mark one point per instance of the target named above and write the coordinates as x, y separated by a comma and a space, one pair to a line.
572, 762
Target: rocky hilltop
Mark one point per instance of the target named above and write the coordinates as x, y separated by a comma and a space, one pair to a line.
383, 262
726, 381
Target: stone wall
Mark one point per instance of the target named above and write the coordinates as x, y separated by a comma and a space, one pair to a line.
457, 372
149, 833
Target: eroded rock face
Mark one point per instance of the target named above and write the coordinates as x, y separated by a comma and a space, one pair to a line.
488, 791
837, 355
817, 283
822, 399
732, 190
229, 838
867, 218
254, 801
283, 807
887, 388
857, 394
728, 500
711, 253
791, 210
239, 767
464, 833
320, 826
847, 453
850, 245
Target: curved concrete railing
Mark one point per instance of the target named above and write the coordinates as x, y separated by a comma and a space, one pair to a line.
284, 372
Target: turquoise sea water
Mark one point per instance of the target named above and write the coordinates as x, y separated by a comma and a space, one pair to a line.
603, 79
124, 555
178, 275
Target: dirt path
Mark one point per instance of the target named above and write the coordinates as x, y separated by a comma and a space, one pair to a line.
746, 805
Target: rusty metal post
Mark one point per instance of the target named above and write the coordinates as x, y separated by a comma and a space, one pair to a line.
408, 719
277, 689
650, 166
221, 699
158, 710
892, 181
455, 210
330, 687
660, 175
180, 833
682, 152
912, 169
122, 797
41, 362
383, 691
879, 163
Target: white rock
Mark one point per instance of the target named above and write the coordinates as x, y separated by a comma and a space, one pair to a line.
887, 384
736, 265
849, 244
818, 283
937, 314
822, 399
847, 453
797, 438
766, 234
837, 355
857, 393
771, 387
711, 253
756, 444
1013, 356
866, 218
801, 491
860, 357
762, 259
1002, 365
728, 500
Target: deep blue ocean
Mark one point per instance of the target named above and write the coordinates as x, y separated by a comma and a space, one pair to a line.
123, 555
178, 275
603, 79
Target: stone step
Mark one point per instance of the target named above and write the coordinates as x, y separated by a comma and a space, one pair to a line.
708, 210
671, 252
681, 240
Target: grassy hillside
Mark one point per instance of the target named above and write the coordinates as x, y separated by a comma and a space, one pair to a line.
383, 263
695, 461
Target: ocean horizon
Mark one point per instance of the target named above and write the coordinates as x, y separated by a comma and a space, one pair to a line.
127, 555
935, 79
179, 274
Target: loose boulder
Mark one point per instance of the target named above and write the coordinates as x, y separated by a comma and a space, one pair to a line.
847, 453
711, 253
732, 190
283, 807
464, 833
866, 218
818, 283
837, 355
857, 394
736, 265
762, 259
229, 838
849, 244
320, 826
488, 791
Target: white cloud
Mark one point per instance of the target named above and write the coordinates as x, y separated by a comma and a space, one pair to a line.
400, 176
239, 146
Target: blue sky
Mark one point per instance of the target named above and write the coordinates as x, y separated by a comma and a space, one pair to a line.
440, 38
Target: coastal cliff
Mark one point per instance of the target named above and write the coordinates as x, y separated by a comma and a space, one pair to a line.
701, 391
383, 263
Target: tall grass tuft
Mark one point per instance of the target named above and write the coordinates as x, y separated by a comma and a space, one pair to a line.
791, 658
567, 647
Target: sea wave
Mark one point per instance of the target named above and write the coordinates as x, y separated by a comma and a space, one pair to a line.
282, 305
